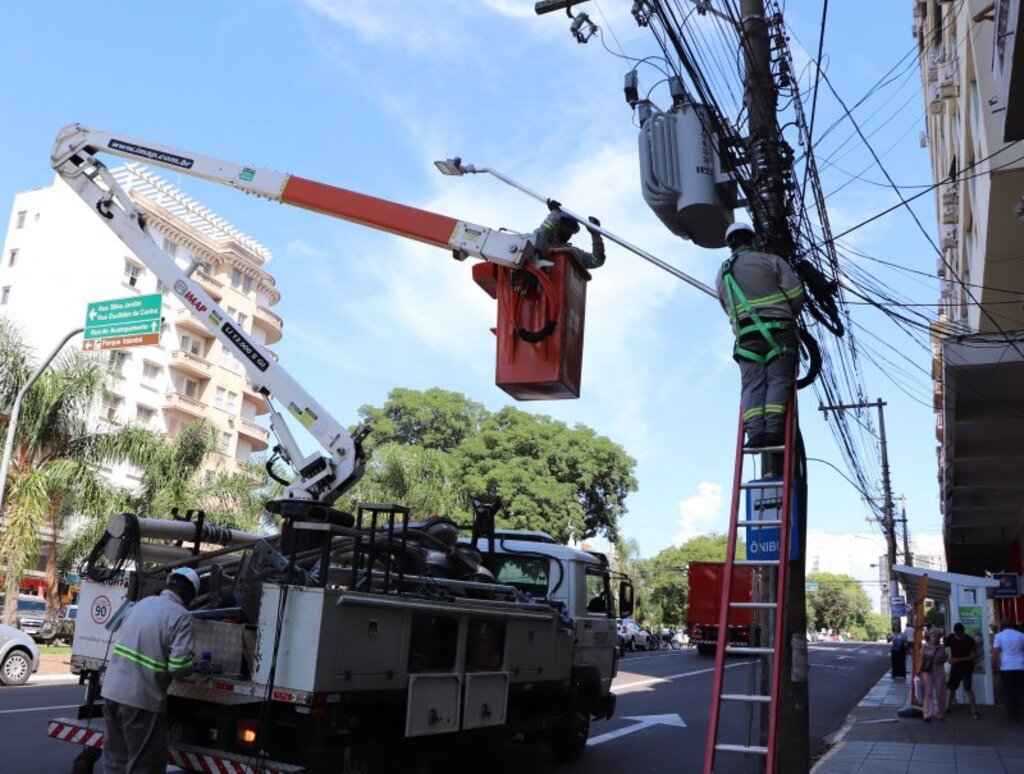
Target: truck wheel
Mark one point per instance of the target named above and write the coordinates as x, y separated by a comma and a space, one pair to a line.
16, 668
569, 739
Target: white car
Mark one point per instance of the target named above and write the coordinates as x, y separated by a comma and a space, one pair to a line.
634, 637
19, 656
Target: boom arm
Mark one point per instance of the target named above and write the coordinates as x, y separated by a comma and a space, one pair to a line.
319, 477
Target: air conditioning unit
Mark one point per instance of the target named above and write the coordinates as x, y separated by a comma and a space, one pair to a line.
949, 194
949, 86
950, 213
923, 139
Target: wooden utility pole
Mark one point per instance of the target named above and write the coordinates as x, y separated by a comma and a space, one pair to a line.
888, 515
763, 149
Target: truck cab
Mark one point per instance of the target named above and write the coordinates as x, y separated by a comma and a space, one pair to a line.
578, 582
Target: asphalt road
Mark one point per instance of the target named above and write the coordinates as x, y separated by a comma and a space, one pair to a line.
660, 722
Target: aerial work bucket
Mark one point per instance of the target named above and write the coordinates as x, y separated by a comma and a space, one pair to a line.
541, 316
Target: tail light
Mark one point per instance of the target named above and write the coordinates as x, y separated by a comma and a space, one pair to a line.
245, 733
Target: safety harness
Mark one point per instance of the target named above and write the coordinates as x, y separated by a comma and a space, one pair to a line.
737, 301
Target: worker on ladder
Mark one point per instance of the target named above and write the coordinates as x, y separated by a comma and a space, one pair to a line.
558, 228
762, 297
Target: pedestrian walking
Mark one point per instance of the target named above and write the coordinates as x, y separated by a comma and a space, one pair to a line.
153, 646
762, 297
1008, 660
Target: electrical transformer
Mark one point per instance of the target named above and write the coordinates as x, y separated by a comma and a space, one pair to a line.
681, 176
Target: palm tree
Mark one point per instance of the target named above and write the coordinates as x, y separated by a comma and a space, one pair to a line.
420, 478
54, 460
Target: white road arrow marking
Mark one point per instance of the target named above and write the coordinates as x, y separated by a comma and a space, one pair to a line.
644, 721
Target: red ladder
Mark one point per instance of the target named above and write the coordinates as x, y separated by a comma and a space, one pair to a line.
772, 650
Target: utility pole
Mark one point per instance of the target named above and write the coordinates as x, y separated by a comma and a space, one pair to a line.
760, 97
888, 517
908, 558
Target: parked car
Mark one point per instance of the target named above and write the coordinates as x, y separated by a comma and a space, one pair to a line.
66, 623
634, 635
32, 618
19, 656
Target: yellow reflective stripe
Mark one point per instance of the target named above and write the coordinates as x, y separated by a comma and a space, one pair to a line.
757, 411
794, 292
177, 662
774, 408
140, 658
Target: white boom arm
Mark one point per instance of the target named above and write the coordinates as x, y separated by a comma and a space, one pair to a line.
318, 477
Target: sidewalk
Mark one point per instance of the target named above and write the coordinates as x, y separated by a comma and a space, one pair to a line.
877, 741
53, 668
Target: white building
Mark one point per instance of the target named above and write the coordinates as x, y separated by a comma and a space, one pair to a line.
58, 256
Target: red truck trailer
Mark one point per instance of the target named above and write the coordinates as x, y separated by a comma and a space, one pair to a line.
704, 601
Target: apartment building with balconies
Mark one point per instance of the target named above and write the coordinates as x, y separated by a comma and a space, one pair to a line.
57, 257
978, 337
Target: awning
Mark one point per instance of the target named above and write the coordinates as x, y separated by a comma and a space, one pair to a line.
940, 584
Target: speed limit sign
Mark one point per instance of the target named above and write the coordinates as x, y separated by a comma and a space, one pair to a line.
101, 609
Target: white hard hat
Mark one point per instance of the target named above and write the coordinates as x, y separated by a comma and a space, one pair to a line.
190, 574
736, 228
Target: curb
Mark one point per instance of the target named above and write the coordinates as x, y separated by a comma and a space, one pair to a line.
37, 679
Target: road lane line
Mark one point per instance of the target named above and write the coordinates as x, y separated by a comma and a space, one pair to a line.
39, 709
626, 687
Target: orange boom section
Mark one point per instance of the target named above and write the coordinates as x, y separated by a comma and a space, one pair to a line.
421, 225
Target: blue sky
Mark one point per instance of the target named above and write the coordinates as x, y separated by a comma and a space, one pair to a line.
366, 93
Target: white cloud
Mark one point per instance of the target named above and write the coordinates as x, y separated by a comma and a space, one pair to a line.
299, 249
700, 513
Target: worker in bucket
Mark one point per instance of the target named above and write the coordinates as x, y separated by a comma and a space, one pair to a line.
152, 647
762, 297
558, 228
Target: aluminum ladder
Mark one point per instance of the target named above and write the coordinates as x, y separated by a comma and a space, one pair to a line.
770, 606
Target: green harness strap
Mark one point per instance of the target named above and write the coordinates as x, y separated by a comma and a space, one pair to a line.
737, 300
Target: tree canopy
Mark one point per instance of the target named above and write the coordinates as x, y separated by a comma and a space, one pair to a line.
568, 481
839, 603
666, 586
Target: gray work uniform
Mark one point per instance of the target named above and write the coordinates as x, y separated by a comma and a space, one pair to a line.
153, 646
544, 239
762, 301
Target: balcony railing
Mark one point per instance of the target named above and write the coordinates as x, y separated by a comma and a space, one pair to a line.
254, 432
185, 361
179, 401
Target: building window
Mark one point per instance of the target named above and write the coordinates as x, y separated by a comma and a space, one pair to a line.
241, 282
19, 221
170, 248
218, 397
193, 345
13, 257
191, 389
242, 318
5, 295
144, 414
161, 288
232, 401
225, 443
150, 371
207, 267
132, 273
110, 406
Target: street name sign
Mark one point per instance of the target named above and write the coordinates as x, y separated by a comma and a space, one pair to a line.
123, 322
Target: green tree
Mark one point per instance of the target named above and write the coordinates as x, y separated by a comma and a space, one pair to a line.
568, 481
422, 479
665, 574
432, 419
838, 603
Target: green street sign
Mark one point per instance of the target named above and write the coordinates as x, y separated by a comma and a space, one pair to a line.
123, 322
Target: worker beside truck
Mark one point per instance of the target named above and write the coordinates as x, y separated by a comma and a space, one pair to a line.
152, 647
